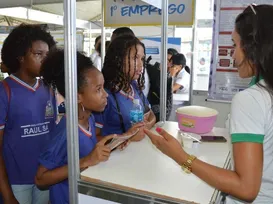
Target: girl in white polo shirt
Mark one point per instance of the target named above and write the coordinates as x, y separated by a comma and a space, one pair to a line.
251, 124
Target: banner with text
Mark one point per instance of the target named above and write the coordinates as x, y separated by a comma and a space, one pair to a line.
153, 47
224, 78
138, 13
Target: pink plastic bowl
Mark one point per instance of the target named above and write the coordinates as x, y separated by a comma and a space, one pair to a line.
196, 124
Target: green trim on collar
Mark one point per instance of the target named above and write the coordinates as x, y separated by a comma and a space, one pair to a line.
253, 80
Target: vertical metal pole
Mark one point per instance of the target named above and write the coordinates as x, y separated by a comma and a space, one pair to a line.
102, 33
90, 38
163, 73
71, 98
174, 31
193, 56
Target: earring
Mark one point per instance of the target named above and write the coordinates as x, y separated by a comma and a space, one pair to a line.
83, 109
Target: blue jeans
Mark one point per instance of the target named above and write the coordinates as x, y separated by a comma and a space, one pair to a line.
30, 194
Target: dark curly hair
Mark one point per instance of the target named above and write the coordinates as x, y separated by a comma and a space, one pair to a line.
52, 70
19, 41
180, 59
121, 31
113, 67
255, 28
172, 51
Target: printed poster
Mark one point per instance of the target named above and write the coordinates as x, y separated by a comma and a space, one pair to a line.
224, 78
153, 47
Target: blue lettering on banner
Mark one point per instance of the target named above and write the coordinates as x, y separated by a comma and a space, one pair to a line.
125, 11
146, 10
176, 9
153, 10
112, 9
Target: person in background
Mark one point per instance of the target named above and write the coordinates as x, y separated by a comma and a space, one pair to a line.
171, 52
251, 118
123, 71
53, 169
121, 32
153, 72
97, 46
27, 114
180, 74
97, 60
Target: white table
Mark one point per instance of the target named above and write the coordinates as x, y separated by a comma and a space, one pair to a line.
143, 169
84, 199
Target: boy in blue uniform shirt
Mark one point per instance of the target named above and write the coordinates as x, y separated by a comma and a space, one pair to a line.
123, 72
53, 170
27, 114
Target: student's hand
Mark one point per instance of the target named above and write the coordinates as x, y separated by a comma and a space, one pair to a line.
146, 119
149, 119
124, 145
173, 71
146, 116
140, 135
100, 153
11, 200
167, 144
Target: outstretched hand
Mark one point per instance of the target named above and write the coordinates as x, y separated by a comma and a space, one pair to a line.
167, 144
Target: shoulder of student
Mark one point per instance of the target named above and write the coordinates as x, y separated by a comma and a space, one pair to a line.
254, 97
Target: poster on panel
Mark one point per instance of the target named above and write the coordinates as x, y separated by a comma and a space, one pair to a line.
224, 78
153, 47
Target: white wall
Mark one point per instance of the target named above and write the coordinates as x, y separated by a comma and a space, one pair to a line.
199, 98
150, 31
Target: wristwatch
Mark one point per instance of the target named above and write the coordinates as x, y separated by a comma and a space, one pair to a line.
186, 166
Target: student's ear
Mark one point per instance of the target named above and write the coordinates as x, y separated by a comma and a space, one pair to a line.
79, 98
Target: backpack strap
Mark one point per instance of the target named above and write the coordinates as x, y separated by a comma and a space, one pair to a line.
8, 91
119, 113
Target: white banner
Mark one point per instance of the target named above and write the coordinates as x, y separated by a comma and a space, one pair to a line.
139, 13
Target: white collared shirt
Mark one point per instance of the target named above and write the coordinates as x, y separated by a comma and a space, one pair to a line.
94, 55
183, 79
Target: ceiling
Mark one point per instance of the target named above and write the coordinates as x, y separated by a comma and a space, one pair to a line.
29, 3
85, 10
7, 21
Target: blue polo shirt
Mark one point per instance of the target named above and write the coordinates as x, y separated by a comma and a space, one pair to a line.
55, 155
31, 115
109, 120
